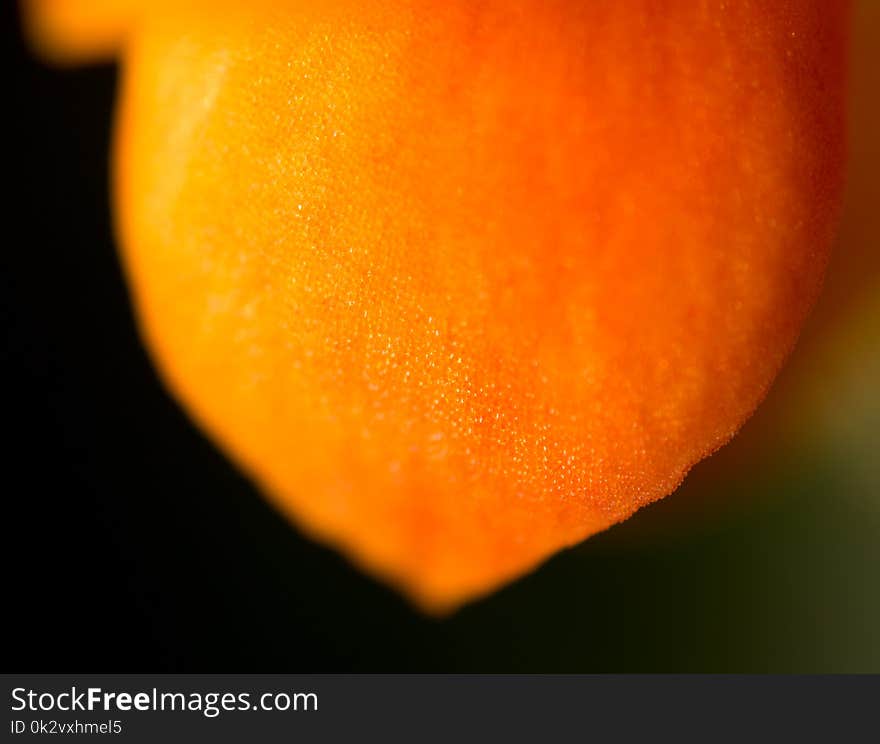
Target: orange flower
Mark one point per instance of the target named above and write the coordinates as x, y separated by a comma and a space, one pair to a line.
457, 283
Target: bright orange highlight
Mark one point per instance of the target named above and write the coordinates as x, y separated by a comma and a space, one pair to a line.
463, 283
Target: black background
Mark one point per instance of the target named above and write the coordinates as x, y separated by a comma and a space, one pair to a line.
134, 545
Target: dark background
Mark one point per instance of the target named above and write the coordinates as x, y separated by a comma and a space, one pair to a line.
134, 545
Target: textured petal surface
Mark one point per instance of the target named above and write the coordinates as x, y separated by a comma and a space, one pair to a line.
463, 283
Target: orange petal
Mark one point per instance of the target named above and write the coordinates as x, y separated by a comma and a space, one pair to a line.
81, 30
460, 284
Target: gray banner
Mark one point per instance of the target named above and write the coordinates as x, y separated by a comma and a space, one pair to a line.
447, 708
